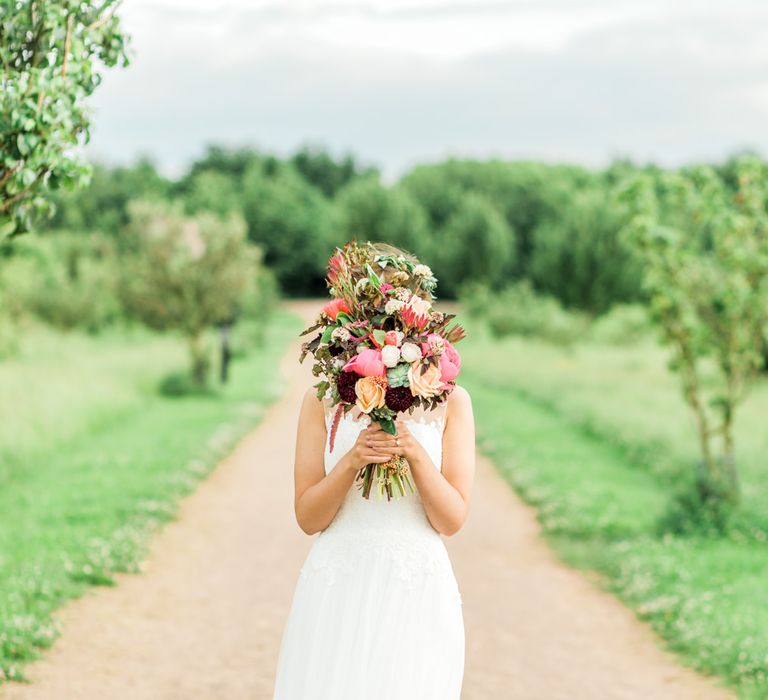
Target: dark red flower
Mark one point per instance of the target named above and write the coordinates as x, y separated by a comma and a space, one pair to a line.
399, 398
346, 386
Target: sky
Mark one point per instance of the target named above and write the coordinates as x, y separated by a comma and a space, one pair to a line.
400, 82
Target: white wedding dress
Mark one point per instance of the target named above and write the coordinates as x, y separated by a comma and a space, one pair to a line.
376, 613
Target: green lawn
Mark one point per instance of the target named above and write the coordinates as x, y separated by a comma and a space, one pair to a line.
597, 438
93, 459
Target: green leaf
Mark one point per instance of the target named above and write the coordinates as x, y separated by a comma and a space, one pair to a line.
327, 334
322, 387
7, 226
373, 278
380, 336
388, 425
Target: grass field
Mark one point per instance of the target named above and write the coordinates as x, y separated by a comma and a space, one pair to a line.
597, 438
93, 459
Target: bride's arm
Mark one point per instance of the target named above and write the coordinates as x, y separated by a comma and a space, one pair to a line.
318, 497
445, 493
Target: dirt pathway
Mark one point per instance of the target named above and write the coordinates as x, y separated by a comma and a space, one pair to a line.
205, 619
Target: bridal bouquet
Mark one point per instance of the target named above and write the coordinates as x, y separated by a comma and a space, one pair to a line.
380, 346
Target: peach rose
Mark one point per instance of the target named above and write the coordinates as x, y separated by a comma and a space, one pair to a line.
370, 393
425, 382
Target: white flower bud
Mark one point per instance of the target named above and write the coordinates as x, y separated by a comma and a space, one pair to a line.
390, 355
410, 352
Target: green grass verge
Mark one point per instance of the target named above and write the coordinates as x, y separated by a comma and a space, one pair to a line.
596, 438
95, 460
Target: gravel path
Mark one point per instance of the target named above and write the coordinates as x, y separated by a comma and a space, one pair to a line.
203, 622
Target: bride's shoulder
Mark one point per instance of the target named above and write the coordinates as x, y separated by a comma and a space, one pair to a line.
459, 402
312, 407
459, 395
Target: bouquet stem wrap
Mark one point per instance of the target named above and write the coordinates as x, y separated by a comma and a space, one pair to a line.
391, 478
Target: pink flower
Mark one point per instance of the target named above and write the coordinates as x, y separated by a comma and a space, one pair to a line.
337, 267
434, 345
416, 311
334, 307
367, 363
385, 287
450, 363
392, 338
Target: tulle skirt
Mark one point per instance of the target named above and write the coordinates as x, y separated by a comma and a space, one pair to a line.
373, 620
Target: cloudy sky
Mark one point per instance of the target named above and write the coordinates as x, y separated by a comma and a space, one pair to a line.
404, 81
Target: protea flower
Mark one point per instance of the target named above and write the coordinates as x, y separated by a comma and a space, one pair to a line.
337, 267
416, 312
455, 333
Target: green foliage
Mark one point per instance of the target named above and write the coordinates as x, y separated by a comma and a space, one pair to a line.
255, 307
580, 258
103, 206
65, 280
50, 55
291, 221
326, 173
701, 508
476, 244
525, 194
212, 191
624, 324
367, 210
518, 310
186, 274
705, 249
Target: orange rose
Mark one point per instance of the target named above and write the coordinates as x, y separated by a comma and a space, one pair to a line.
370, 393
425, 382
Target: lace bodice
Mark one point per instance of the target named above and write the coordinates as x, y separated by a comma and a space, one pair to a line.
398, 528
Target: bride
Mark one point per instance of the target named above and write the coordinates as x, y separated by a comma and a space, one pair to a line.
376, 613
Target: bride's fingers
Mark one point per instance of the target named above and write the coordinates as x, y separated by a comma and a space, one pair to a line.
377, 457
389, 446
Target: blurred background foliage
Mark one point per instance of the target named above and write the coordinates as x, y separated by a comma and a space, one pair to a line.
568, 278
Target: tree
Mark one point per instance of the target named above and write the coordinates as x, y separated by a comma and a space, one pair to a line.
186, 273
476, 244
579, 256
367, 210
326, 173
290, 220
103, 205
50, 53
705, 253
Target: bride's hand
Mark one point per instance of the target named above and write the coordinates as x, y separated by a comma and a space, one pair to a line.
363, 451
403, 444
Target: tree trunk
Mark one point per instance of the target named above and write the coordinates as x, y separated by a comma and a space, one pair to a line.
198, 358
730, 476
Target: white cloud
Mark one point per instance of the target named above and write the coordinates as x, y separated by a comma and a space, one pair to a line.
400, 81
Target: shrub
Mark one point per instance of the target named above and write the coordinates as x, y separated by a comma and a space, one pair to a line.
519, 310
65, 280
622, 325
